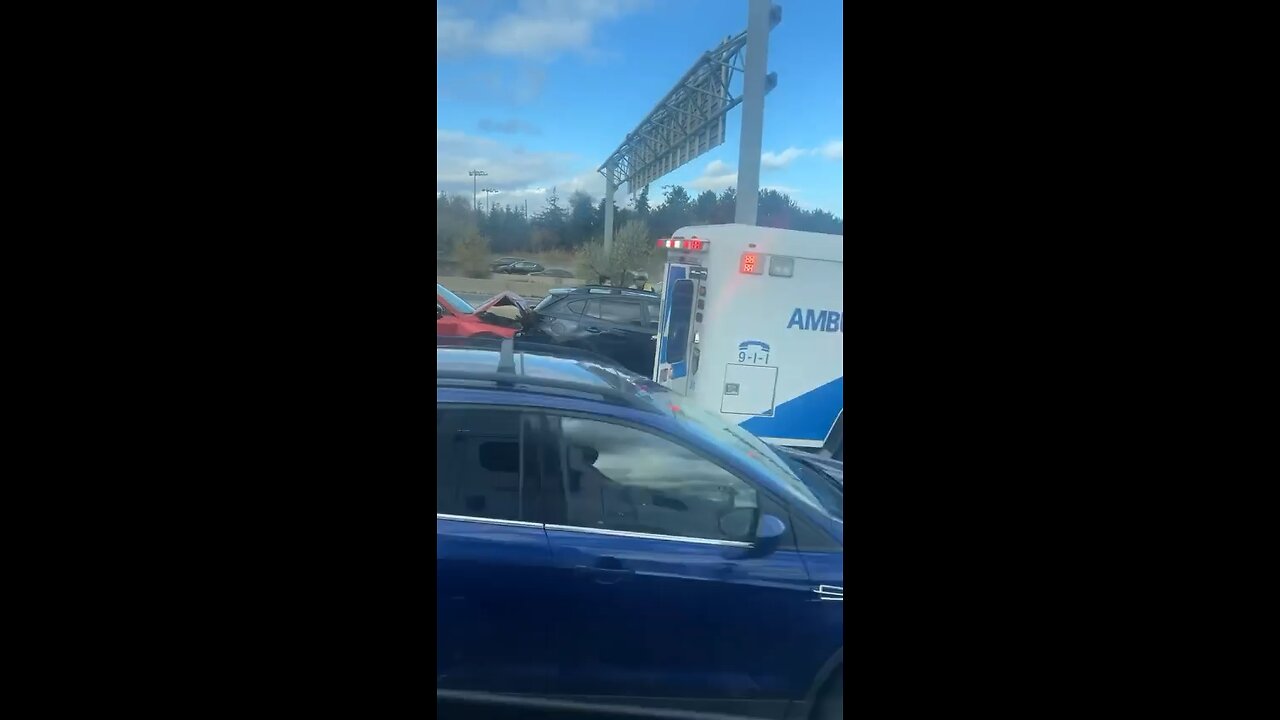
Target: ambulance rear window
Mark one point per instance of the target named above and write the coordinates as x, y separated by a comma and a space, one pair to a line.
681, 309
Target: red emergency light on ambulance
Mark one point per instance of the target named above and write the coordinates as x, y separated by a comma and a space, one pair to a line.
752, 328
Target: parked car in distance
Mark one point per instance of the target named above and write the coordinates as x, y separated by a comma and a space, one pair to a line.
599, 543
618, 323
523, 267
456, 317
503, 262
553, 272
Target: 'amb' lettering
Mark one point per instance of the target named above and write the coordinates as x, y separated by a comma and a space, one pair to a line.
818, 320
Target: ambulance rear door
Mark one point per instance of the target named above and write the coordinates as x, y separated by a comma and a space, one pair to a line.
681, 319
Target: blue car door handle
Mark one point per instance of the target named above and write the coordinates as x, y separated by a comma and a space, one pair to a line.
604, 576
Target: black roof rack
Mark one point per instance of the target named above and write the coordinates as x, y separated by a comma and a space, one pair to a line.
611, 290
506, 374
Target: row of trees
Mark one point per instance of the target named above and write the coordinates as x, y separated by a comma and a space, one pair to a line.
573, 226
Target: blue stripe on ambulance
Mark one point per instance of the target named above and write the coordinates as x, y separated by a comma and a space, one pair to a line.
805, 417
674, 273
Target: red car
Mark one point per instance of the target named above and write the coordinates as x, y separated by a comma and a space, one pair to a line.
456, 318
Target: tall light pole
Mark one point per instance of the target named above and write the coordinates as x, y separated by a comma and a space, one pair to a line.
487, 192
609, 190
761, 18
475, 174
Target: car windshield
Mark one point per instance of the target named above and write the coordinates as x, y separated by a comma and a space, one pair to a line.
758, 450
827, 490
458, 303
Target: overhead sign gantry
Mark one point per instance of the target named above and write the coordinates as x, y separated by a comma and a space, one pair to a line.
690, 120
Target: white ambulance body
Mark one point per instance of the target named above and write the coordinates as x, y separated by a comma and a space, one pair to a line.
752, 327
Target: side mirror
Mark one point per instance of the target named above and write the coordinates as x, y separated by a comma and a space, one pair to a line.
439, 311
769, 534
769, 531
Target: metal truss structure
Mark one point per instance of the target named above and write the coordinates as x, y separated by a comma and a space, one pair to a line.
690, 120
686, 123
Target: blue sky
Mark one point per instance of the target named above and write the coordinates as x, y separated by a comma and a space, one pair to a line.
539, 92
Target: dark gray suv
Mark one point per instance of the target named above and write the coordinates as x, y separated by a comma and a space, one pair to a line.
617, 323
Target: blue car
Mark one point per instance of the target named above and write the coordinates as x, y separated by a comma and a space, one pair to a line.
599, 544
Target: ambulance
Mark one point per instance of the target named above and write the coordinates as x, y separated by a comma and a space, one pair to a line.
752, 327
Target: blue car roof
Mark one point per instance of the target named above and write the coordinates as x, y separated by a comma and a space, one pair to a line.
584, 373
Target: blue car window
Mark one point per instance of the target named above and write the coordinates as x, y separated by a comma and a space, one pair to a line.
757, 450
622, 478
478, 463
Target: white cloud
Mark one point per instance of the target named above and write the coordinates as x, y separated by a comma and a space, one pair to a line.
517, 174
538, 29
775, 161
717, 167
535, 37
715, 182
526, 193
523, 175
592, 183
454, 34
588, 181
717, 175
510, 168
